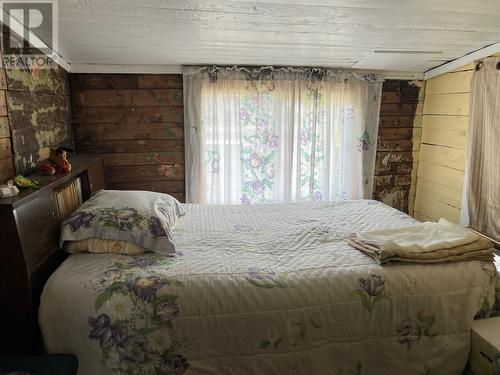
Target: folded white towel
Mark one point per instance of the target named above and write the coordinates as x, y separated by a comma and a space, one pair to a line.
423, 237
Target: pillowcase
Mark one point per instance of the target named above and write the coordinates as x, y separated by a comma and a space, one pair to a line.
143, 218
96, 245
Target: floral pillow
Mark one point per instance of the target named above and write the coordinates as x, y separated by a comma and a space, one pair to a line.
96, 245
143, 218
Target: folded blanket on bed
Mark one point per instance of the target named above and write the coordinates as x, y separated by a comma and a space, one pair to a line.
427, 236
482, 249
423, 243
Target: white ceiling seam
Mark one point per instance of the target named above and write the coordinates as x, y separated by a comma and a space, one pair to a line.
464, 60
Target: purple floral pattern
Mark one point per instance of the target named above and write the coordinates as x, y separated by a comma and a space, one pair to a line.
261, 141
411, 330
364, 142
372, 291
266, 279
81, 219
490, 304
173, 364
125, 219
156, 228
145, 288
312, 153
213, 160
165, 311
127, 342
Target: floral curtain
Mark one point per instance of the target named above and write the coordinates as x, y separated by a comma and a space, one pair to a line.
265, 135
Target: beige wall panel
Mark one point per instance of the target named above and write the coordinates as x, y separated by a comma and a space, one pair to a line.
442, 193
420, 217
416, 138
446, 122
447, 104
452, 178
450, 83
445, 156
434, 209
448, 138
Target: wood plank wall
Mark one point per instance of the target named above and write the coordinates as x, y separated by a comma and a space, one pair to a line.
34, 116
398, 143
6, 161
136, 120
39, 114
444, 146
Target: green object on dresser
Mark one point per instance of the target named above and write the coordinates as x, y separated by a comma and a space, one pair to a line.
52, 364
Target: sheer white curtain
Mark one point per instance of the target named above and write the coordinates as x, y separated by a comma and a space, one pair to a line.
278, 135
481, 200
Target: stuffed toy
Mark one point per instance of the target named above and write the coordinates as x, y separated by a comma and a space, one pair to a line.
57, 162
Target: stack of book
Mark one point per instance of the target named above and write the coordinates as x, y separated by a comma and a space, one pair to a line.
68, 198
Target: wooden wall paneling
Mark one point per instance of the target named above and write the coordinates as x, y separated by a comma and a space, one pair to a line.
94, 132
130, 97
450, 138
137, 173
3, 105
6, 162
130, 146
159, 81
102, 81
6, 169
456, 104
32, 109
450, 177
453, 83
4, 127
144, 158
136, 120
5, 150
400, 121
3, 80
421, 217
98, 115
448, 195
416, 140
39, 114
436, 209
446, 122
445, 156
34, 138
42, 81
443, 149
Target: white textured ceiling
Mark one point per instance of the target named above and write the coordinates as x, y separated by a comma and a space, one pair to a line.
398, 35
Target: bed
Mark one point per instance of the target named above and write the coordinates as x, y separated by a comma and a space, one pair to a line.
270, 289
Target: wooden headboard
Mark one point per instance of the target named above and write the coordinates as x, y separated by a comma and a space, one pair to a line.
29, 251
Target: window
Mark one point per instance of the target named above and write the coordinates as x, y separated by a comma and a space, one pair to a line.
280, 137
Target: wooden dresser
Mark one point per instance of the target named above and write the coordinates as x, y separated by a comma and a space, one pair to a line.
29, 251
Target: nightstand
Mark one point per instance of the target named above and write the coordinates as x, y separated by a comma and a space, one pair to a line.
485, 347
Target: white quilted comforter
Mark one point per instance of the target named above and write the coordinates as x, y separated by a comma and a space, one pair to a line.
270, 289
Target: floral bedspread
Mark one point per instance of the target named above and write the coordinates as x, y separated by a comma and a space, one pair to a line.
271, 289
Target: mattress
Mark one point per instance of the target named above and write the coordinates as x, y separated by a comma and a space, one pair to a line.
268, 289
